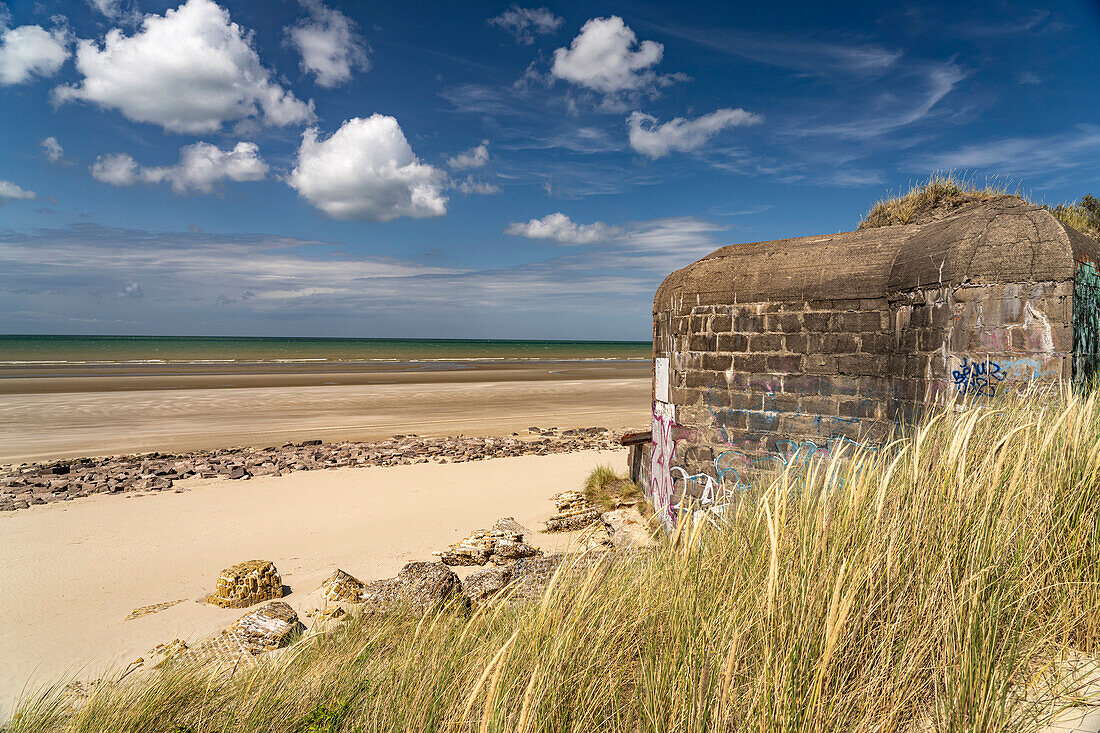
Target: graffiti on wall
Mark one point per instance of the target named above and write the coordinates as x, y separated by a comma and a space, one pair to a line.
978, 378
660, 467
1086, 321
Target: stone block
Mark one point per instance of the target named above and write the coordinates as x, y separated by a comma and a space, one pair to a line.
419, 587
482, 585
820, 322
733, 342
716, 362
246, 584
784, 364
269, 627
766, 342
341, 586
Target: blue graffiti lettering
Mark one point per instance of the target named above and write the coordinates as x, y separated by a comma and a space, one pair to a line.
979, 378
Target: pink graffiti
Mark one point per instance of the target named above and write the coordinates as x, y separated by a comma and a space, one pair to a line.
660, 467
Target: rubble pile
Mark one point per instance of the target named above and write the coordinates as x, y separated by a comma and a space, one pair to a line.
574, 512
41, 483
500, 545
265, 629
246, 583
154, 608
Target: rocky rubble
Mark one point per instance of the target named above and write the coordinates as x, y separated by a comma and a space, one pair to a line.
41, 483
499, 545
574, 512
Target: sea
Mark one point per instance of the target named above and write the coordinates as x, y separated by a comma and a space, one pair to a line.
21, 352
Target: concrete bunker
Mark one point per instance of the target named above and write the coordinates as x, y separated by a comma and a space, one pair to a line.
778, 351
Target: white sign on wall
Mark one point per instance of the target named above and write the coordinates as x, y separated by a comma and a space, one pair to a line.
660, 371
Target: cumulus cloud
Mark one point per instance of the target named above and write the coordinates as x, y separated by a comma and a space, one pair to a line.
188, 71
52, 149
29, 51
472, 158
11, 192
367, 171
606, 57
560, 228
484, 188
526, 23
680, 134
200, 168
329, 46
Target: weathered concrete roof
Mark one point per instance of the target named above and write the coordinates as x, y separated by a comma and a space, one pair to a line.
1003, 240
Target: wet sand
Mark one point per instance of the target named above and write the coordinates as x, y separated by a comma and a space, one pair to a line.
56, 414
71, 572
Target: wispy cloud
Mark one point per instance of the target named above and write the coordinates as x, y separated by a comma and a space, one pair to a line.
207, 281
804, 55
1020, 156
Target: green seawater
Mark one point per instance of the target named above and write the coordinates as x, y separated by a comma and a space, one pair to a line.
106, 350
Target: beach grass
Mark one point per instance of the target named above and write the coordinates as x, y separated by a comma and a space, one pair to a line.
941, 582
609, 489
940, 190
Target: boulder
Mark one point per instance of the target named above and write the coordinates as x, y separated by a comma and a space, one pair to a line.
507, 550
420, 586
267, 628
509, 524
247, 583
483, 584
341, 586
628, 528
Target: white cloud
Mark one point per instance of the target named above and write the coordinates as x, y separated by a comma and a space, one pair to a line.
526, 23
117, 9
117, 169
560, 228
367, 171
680, 134
11, 192
52, 149
188, 71
472, 158
606, 57
484, 188
329, 45
200, 168
29, 51
1078, 147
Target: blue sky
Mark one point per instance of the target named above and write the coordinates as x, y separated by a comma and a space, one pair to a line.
486, 170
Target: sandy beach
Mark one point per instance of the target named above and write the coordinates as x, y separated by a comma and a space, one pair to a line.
73, 571
49, 416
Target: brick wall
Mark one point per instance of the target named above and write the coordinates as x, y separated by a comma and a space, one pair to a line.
766, 378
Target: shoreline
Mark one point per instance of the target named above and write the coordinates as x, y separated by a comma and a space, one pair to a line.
135, 417
25, 485
53, 379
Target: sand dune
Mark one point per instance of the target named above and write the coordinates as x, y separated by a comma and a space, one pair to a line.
73, 571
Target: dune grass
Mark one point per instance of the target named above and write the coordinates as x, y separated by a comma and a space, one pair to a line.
927, 585
940, 190
1083, 215
609, 489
